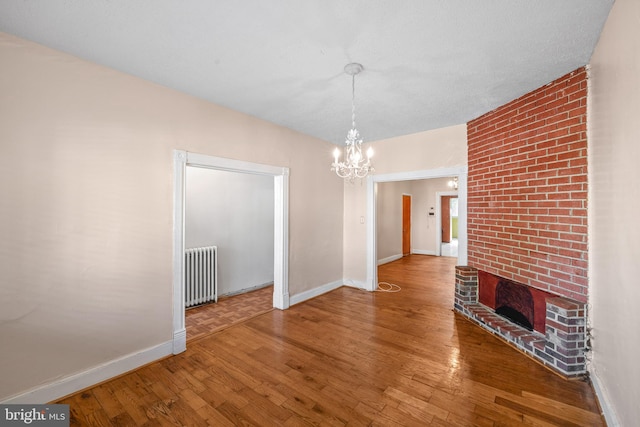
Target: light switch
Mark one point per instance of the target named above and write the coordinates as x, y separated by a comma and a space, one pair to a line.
361, 220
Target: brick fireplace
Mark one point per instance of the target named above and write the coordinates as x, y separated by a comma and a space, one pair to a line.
527, 223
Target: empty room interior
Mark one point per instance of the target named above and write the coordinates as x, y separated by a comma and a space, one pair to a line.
431, 191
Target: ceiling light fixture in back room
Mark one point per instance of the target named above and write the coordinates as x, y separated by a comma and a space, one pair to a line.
354, 164
453, 183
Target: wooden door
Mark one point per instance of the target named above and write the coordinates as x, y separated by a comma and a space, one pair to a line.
406, 225
446, 218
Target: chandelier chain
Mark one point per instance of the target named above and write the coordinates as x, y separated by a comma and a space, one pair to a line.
353, 101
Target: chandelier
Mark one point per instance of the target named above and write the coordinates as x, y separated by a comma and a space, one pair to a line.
355, 165
453, 183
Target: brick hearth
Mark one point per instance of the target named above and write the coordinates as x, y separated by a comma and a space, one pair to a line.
562, 347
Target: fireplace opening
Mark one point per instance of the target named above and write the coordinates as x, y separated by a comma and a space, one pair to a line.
515, 316
515, 303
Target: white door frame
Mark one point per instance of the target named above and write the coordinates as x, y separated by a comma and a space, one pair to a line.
372, 180
182, 159
439, 195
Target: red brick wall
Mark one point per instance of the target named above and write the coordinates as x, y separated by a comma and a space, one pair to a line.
527, 188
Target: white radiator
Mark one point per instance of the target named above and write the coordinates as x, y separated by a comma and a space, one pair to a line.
200, 275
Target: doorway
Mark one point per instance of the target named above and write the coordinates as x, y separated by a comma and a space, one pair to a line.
280, 176
449, 225
371, 282
447, 245
233, 213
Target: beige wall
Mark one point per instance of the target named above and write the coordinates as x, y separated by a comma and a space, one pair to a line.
389, 218
86, 215
434, 149
424, 228
614, 201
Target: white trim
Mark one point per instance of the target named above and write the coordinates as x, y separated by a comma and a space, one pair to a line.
389, 259
423, 252
248, 289
358, 284
312, 293
179, 166
81, 380
603, 399
179, 341
371, 283
280, 175
439, 195
232, 165
462, 218
372, 180
281, 241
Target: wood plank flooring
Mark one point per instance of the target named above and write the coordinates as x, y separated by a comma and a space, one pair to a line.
348, 357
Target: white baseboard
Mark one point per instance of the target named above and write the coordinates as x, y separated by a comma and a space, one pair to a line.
247, 289
311, 293
389, 259
605, 404
423, 252
76, 382
179, 341
398, 256
355, 284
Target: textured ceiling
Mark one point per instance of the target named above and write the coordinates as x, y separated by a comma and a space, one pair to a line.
428, 63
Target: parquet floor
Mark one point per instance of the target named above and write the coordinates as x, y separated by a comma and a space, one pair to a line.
348, 357
203, 320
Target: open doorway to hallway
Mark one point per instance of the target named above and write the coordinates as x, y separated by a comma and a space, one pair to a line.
380, 247
411, 220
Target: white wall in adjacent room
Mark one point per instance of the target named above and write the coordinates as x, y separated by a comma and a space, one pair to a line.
233, 211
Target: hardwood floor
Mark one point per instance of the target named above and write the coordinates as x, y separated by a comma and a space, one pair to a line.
203, 320
348, 357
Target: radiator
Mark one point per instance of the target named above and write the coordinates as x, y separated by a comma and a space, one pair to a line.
200, 275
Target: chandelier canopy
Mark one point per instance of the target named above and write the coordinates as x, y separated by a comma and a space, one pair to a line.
355, 165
